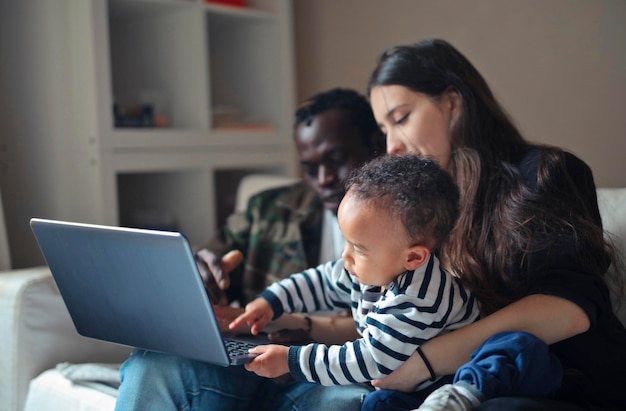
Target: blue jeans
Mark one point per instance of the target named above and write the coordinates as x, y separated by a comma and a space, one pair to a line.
154, 381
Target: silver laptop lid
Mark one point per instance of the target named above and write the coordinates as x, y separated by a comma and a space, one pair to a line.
133, 287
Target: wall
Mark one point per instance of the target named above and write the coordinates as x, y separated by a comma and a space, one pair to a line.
35, 87
558, 66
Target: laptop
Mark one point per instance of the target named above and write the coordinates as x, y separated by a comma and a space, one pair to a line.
136, 287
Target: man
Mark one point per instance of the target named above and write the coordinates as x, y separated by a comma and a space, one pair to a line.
287, 229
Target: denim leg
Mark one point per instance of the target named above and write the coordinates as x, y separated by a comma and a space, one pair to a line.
390, 400
512, 364
306, 396
335, 398
155, 381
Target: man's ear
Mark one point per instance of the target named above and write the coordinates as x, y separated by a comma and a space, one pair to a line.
416, 256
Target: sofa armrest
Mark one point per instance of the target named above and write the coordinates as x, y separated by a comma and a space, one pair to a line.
36, 333
255, 183
612, 205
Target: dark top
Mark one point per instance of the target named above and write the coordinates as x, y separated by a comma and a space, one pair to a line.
594, 362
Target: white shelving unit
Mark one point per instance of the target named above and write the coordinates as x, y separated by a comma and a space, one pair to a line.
222, 77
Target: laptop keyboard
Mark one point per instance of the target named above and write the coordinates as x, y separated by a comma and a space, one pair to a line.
238, 351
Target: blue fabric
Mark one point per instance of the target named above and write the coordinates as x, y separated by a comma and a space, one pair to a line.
155, 381
507, 364
389, 400
513, 364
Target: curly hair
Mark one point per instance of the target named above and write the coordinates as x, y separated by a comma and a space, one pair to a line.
356, 105
415, 189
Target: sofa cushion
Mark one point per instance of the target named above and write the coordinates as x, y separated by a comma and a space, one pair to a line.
36, 333
52, 391
612, 204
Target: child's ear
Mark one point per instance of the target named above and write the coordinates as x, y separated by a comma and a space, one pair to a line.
416, 256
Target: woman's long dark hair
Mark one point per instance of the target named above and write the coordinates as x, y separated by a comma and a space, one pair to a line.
502, 220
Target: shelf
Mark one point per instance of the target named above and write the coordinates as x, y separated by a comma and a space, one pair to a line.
247, 128
153, 200
130, 9
156, 139
191, 192
184, 58
244, 66
244, 12
157, 57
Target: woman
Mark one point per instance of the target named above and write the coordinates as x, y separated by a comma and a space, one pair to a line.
529, 240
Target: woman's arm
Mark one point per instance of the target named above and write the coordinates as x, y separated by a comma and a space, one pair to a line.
550, 318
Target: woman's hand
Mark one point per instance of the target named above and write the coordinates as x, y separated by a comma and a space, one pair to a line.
404, 378
271, 361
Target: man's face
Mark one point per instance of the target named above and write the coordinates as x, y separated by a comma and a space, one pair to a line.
330, 147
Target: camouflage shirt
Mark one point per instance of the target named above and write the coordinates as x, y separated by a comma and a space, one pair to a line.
279, 234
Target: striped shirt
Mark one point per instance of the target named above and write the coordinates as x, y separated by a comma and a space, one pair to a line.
416, 306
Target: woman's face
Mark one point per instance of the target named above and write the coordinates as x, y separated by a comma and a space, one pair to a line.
414, 122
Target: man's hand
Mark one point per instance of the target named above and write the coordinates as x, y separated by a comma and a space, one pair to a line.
215, 273
257, 315
271, 361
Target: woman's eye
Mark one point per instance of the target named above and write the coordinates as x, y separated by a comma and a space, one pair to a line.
402, 119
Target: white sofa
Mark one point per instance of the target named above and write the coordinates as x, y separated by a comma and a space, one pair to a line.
36, 332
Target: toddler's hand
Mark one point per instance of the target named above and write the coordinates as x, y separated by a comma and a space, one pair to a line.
271, 361
257, 315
